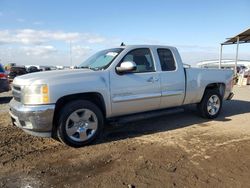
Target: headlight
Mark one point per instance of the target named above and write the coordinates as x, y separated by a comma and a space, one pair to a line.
35, 94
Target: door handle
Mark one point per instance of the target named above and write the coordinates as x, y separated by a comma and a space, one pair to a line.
153, 79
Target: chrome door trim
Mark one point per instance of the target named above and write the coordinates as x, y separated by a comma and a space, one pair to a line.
172, 93
124, 98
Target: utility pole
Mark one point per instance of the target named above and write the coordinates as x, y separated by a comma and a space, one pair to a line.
70, 52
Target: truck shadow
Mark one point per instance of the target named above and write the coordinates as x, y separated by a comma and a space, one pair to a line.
176, 121
4, 100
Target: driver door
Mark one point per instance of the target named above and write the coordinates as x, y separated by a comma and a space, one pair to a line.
138, 90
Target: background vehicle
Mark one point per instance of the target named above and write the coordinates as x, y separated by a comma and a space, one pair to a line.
45, 69
16, 71
32, 69
4, 83
114, 85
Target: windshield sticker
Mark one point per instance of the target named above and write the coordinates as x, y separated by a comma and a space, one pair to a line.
113, 54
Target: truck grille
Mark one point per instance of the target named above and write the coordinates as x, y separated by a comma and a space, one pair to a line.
16, 92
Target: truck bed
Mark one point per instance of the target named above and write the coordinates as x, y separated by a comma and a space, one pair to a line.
198, 78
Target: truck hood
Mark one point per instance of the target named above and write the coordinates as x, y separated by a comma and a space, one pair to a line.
51, 76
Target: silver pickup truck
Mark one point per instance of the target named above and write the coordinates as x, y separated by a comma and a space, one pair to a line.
74, 105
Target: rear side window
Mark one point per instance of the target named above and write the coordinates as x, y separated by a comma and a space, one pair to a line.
142, 58
166, 59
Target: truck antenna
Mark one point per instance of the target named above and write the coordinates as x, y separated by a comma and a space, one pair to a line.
122, 44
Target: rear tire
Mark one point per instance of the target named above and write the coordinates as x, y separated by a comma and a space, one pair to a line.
80, 123
211, 104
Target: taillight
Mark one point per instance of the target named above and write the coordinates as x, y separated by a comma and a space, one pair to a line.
3, 76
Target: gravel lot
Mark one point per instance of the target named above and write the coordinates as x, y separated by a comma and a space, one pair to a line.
181, 150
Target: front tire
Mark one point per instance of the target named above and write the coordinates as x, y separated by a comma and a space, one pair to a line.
80, 123
211, 104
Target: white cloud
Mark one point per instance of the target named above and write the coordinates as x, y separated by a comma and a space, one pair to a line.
28, 36
92, 39
38, 37
43, 55
196, 48
5, 37
80, 51
42, 51
31, 46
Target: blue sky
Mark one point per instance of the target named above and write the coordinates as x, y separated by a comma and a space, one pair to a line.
38, 32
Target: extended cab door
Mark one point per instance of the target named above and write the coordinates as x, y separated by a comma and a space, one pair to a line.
172, 78
136, 91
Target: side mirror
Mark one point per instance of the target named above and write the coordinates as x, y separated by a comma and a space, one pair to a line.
126, 66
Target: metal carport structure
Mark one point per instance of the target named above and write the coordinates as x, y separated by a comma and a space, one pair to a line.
241, 38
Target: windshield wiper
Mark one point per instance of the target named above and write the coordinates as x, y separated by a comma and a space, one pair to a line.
91, 68
86, 67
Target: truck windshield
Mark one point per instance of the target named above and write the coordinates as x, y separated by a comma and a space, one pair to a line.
101, 60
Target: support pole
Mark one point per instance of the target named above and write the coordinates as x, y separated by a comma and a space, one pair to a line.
236, 58
221, 45
70, 52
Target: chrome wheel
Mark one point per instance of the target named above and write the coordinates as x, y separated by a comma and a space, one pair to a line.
213, 105
81, 125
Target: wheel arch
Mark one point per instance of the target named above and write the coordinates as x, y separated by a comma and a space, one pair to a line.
93, 97
219, 86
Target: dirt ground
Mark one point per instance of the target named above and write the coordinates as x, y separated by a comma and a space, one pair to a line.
181, 150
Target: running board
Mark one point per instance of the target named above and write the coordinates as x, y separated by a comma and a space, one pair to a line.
145, 115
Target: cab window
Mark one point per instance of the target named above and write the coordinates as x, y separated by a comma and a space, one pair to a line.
142, 58
166, 59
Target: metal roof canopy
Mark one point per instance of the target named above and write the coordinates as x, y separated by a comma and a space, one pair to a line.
241, 38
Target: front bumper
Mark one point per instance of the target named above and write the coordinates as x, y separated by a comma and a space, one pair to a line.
36, 120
